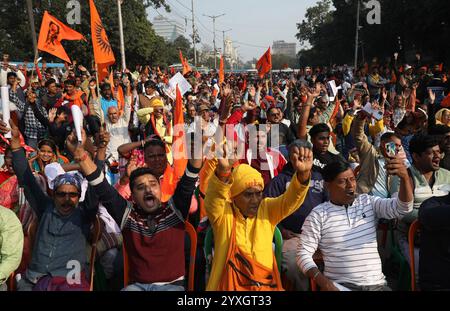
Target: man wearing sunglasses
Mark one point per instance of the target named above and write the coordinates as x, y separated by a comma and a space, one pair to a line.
63, 227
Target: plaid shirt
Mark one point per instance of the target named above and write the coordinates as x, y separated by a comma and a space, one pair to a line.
33, 128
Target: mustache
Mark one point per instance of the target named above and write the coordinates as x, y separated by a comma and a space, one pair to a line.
68, 204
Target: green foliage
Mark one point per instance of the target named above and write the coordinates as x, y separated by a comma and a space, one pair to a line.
422, 26
316, 17
142, 45
280, 61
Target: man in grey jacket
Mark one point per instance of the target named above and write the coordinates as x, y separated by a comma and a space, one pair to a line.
63, 229
373, 178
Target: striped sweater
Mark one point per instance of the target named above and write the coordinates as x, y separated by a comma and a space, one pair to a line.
156, 249
346, 236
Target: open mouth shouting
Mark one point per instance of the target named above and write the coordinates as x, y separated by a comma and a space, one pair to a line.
350, 193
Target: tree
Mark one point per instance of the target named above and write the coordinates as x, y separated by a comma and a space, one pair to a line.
281, 61
316, 17
142, 45
422, 27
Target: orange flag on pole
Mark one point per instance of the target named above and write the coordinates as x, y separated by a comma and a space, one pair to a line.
103, 54
264, 64
179, 143
184, 62
221, 71
52, 33
174, 173
111, 80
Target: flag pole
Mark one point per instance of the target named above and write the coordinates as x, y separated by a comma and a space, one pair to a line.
32, 27
96, 79
270, 54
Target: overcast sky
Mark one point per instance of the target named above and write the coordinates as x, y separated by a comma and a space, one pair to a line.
255, 24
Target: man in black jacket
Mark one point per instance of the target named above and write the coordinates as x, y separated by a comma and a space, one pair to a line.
434, 264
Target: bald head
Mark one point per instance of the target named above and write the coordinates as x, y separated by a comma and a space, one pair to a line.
113, 114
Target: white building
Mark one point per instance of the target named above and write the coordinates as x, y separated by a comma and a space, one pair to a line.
230, 52
285, 48
169, 29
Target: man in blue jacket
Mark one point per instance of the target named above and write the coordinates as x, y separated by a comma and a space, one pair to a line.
291, 226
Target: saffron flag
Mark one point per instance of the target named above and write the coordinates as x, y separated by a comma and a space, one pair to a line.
103, 54
179, 143
264, 64
221, 71
184, 62
52, 33
173, 173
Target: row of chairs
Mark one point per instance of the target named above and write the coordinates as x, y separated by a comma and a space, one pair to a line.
208, 250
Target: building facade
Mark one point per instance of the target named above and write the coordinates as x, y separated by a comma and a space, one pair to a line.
285, 48
169, 29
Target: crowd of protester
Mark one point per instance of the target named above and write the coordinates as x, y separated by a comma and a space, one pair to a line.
333, 158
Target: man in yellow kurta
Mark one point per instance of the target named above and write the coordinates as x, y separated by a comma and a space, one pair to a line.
157, 123
234, 202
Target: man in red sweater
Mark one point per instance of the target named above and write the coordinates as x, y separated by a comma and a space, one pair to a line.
153, 231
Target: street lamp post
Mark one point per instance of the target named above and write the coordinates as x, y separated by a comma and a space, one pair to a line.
194, 37
213, 17
122, 44
357, 34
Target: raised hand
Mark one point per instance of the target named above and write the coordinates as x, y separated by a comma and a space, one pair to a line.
104, 137
248, 105
222, 158
314, 92
227, 90
72, 141
132, 165
4, 128
302, 161
15, 135
52, 114
431, 95
384, 94
396, 166
252, 91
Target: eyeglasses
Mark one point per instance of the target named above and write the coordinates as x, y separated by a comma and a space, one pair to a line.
72, 195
